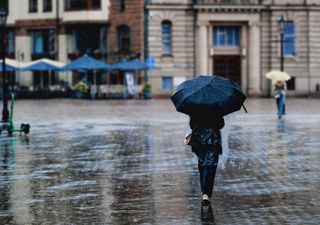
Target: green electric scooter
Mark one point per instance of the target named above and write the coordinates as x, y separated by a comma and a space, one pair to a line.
9, 126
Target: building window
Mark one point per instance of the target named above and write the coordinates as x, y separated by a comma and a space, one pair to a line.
96, 4
123, 38
33, 5
76, 4
89, 39
83, 4
4, 5
122, 5
103, 40
43, 43
166, 37
39, 42
291, 84
289, 46
167, 84
47, 5
226, 37
10, 44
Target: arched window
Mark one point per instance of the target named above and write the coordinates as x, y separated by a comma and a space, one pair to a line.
123, 32
166, 37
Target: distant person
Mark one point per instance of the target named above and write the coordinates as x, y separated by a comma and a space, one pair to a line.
206, 144
280, 89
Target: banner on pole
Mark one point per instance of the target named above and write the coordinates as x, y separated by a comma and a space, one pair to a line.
130, 83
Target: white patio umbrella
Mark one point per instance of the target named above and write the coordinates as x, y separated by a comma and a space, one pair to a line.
12, 64
43, 64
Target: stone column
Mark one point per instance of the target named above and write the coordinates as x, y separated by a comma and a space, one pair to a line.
23, 45
202, 50
254, 58
244, 58
62, 57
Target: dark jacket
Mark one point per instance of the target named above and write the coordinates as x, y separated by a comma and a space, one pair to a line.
206, 122
206, 136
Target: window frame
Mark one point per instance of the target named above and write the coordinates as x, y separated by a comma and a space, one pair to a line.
292, 39
222, 35
80, 36
103, 40
166, 38
88, 5
123, 33
46, 47
168, 78
47, 5
10, 42
33, 6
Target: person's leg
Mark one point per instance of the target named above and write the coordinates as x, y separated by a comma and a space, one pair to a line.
280, 108
209, 174
284, 105
278, 104
201, 171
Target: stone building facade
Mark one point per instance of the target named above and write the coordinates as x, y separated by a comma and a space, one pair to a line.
238, 39
109, 30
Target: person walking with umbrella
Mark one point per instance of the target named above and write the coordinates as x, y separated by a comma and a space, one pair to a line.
206, 144
280, 88
207, 99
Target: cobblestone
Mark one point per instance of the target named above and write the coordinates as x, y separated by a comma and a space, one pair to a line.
124, 162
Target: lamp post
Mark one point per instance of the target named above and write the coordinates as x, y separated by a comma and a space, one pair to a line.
3, 20
282, 26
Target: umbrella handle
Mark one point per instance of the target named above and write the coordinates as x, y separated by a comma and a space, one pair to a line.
244, 108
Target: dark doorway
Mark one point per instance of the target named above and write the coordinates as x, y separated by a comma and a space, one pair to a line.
228, 66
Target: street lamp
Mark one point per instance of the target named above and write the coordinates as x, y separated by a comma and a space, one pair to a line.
282, 26
3, 20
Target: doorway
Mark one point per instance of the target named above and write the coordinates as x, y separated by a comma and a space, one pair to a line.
228, 66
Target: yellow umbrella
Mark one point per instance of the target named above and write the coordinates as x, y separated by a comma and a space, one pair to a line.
278, 75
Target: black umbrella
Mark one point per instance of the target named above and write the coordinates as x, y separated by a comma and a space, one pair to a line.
208, 95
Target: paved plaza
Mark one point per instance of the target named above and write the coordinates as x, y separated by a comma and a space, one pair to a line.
124, 162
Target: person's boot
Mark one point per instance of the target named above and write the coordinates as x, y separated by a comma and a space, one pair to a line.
205, 199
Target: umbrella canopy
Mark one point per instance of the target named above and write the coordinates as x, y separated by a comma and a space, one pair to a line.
11, 64
87, 63
133, 65
208, 95
43, 65
278, 75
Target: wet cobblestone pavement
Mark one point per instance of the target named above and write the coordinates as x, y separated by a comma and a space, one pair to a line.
124, 162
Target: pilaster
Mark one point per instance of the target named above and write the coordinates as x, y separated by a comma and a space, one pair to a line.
202, 49
254, 58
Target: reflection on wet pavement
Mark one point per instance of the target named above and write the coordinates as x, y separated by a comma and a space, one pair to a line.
132, 168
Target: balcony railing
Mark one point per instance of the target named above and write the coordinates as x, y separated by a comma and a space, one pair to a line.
230, 2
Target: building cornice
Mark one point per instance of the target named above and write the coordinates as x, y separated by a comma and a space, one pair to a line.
85, 22
294, 7
228, 8
169, 7
36, 23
